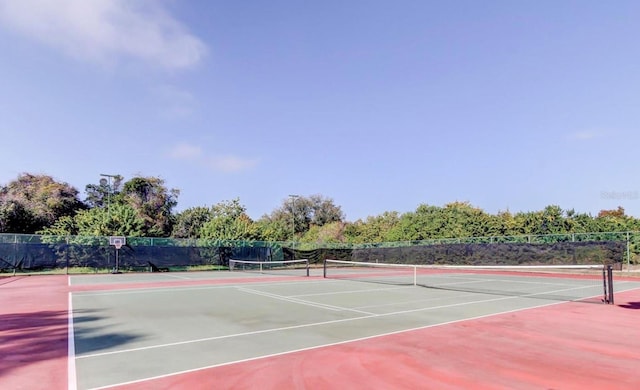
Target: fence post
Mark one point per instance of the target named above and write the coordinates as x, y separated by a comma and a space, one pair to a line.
628, 254
66, 255
610, 283
15, 253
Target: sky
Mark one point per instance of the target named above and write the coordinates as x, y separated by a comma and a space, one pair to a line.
377, 105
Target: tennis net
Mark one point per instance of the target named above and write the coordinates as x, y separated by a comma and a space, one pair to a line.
553, 282
299, 267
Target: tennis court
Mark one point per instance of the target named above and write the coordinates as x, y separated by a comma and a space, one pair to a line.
260, 330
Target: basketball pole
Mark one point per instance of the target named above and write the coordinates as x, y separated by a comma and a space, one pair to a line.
117, 243
115, 270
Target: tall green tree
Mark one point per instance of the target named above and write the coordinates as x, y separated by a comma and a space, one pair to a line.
229, 221
379, 228
15, 218
153, 203
301, 213
553, 220
32, 202
101, 194
189, 222
614, 221
274, 229
117, 220
329, 233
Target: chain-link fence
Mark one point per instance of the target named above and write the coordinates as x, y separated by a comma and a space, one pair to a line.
26, 253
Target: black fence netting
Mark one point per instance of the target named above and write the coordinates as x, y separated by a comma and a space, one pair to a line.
38, 256
32, 253
559, 253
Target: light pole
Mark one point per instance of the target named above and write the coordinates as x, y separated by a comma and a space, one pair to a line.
107, 182
293, 220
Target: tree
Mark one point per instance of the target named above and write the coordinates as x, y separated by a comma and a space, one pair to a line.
33, 202
529, 222
273, 229
506, 224
329, 233
374, 229
614, 221
464, 220
64, 226
229, 221
153, 203
618, 213
118, 220
15, 218
301, 213
579, 222
427, 222
553, 220
100, 195
322, 211
189, 222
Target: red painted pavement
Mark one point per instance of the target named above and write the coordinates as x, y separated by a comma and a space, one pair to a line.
33, 332
34, 326
565, 346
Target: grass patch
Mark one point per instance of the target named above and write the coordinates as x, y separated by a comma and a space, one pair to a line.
90, 270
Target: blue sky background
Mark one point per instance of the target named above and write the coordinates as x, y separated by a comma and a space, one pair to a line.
379, 105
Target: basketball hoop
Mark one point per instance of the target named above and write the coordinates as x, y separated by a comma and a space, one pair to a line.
117, 241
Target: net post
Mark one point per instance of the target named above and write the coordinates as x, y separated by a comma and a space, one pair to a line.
324, 268
307, 267
610, 280
605, 279
415, 275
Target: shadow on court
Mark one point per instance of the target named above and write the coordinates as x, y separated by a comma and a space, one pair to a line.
91, 338
631, 305
29, 338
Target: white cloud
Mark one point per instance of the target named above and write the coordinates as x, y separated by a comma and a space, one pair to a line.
184, 151
225, 164
230, 164
584, 135
106, 31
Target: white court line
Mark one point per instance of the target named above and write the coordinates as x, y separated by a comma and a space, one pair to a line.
302, 302
313, 324
71, 349
625, 282
149, 290
499, 281
423, 300
331, 344
219, 337
180, 277
351, 291
321, 346
145, 290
